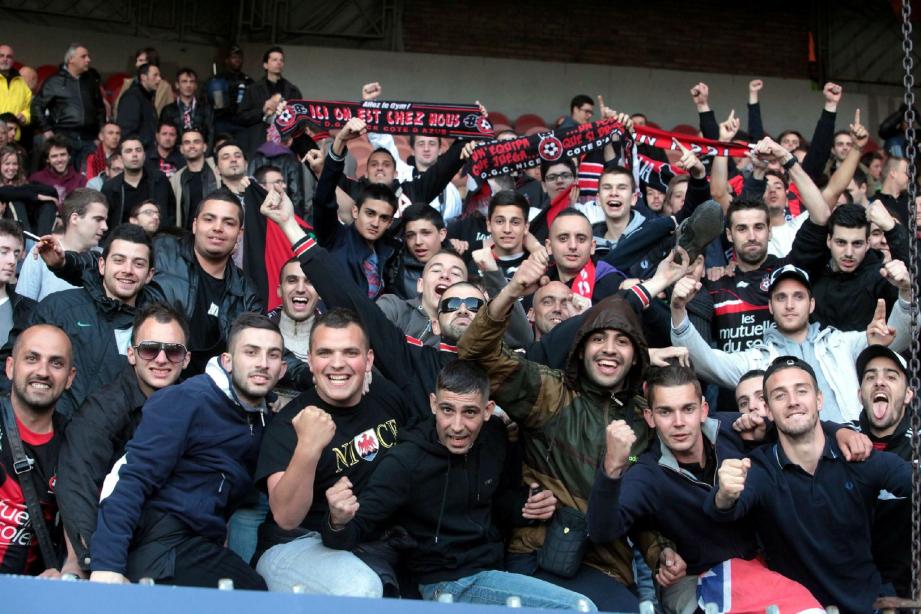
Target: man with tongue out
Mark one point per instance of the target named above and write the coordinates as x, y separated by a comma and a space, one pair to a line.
885, 396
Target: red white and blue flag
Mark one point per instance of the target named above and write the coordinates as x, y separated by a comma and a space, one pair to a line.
738, 586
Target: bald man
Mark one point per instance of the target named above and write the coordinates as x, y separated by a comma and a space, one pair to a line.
552, 304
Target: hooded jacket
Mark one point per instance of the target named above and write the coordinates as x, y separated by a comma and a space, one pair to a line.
448, 502
96, 437
564, 416
192, 457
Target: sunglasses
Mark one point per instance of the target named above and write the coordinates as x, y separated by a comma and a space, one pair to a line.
454, 303
149, 350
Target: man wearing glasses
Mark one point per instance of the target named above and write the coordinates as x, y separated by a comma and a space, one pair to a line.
100, 429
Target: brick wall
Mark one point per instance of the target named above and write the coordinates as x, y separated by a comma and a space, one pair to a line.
768, 39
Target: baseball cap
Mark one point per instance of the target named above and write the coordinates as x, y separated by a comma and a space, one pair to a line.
789, 271
789, 362
235, 50
877, 351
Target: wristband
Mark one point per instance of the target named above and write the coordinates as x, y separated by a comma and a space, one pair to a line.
790, 163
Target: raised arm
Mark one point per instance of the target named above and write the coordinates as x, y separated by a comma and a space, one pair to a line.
719, 169
824, 135
700, 94
842, 176
810, 196
755, 125
325, 205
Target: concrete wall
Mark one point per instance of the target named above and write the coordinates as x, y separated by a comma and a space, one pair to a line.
510, 86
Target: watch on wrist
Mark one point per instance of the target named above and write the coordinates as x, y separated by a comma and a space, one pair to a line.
790, 163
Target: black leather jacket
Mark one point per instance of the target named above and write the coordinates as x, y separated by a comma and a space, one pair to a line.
66, 104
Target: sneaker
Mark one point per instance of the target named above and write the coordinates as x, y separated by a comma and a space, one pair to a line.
698, 231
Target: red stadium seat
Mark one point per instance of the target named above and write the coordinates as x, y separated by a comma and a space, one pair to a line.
498, 118
528, 120
685, 129
113, 85
44, 71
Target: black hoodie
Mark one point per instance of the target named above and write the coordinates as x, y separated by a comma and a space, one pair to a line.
450, 503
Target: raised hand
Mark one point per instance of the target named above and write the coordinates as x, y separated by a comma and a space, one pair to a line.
896, 273
277, 206
879, 215
732, 474
530, 275
858, 132
832, 93
700, 93
343, 504
730, 127
689, 162
754, 87
684, 292
314, 428
619, 439
879, 332
370, 91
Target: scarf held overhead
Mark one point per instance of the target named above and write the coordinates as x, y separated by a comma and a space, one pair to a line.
389, 117
495, 158
646, 135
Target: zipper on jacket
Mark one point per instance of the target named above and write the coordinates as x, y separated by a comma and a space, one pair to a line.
220, 487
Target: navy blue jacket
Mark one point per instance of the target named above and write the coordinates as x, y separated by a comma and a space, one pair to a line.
656, 490
815, 529
193, 456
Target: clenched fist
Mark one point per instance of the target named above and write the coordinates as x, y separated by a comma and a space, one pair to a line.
343, 504
732, 474
619, 438
314, 428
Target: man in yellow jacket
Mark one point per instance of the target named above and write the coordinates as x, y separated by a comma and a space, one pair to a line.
15, 95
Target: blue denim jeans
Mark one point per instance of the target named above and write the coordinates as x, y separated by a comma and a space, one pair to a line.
243, 527
322, 570
494, 587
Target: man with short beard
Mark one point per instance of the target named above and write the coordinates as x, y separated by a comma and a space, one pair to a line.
166, 503
41, 370
801, 492
329, 434
885, 419
99, 316
198, 177
100, 429
137, 184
